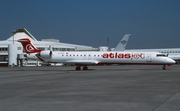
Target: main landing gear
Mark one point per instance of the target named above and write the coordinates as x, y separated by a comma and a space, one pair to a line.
79, 68
164, 67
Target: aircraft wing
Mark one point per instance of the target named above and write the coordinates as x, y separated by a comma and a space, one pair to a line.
82, 62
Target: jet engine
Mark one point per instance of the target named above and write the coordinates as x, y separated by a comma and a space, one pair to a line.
45, 53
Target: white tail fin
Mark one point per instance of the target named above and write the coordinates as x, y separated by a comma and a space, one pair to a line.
122, 44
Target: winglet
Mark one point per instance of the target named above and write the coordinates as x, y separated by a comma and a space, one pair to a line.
122, 44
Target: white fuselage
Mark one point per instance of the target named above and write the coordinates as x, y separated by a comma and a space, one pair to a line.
95, 58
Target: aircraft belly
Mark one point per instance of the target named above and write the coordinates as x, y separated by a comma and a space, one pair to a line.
122, 60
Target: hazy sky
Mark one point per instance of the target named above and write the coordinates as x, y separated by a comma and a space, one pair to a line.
152, 23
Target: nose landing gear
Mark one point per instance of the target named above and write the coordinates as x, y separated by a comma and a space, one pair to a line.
164, 67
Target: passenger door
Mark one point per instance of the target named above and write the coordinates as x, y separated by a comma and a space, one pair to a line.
148, 58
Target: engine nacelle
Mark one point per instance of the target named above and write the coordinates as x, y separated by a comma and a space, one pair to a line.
45, 53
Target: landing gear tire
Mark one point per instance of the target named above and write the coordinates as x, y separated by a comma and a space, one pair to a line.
164, 67
78, 68
85, 68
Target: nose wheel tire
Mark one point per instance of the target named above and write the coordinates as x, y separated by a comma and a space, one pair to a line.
164, 67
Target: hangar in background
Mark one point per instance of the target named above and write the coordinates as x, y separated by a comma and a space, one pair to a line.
7, 50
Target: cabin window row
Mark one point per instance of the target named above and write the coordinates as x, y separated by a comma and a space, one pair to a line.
80, 55
63, 49
170, 52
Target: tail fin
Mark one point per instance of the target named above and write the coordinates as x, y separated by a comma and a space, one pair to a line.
28, 46
122, 44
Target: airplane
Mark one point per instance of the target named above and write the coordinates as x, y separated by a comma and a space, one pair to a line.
122, 44
85, 59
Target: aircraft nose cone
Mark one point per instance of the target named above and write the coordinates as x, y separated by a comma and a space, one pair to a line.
171, 61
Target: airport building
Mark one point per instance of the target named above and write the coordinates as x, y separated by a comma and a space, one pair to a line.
12, 53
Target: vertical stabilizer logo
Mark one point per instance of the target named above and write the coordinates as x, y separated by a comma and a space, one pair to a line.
29, 48
123, 42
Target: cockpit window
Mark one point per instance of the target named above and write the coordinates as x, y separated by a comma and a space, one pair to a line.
161, 55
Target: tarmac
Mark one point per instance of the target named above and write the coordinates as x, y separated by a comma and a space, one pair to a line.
101, 88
